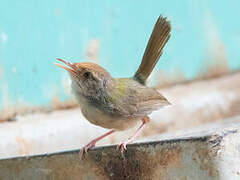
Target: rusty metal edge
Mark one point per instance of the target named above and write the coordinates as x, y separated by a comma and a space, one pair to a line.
152, 143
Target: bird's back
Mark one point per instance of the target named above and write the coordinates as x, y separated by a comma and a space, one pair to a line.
131, 98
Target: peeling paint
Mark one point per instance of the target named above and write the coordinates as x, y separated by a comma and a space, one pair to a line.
66, 84
57, 104
14, 70
4, 37
5, 97
92, 51
1, 72
166, 79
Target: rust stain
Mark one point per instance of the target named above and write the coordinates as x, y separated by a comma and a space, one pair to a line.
216, 69
24, 146
10, 112
214, 145
100, 164
114, 166
135, 164
57, 104
216, 64
170, 157
65, 167
234, 109
165, 79
144, 162
205, 158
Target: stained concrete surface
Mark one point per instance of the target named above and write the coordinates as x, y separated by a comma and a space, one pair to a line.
212, 156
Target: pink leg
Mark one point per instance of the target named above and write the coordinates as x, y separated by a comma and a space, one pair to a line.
94, 141
129, 140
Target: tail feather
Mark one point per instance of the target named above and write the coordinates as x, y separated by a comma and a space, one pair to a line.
158, 39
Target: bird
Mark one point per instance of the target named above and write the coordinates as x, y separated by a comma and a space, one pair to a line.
118, 104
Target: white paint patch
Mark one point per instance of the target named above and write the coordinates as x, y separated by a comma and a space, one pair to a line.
179, 28
215, 45
50, 91
93, 49
66, 84
5, 97
14, 69
1, 72
4, 37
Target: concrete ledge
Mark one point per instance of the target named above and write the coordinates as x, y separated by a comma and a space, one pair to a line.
198, 103
212, 156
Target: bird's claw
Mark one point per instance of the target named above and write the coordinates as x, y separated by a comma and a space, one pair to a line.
84, 150
122, 147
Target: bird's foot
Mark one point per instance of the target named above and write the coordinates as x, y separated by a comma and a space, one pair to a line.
84, 150
123, 146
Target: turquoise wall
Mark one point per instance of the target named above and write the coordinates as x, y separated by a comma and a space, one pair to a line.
34, 33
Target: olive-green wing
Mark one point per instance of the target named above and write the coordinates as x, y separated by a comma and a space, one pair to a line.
134, 99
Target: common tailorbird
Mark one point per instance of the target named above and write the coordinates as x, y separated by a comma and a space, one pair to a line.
119, 103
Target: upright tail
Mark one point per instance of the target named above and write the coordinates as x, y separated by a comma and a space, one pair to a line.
158, 39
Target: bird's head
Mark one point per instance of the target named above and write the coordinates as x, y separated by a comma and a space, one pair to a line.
88, 79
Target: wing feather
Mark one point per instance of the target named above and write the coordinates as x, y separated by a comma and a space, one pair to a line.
136, 100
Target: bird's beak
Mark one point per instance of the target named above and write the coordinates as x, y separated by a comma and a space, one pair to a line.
70, 66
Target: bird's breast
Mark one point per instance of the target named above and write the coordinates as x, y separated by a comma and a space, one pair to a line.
98, 117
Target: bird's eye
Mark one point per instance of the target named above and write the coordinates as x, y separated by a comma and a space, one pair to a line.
86, 74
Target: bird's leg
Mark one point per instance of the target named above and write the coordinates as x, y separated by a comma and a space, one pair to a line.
94, 141
123, 145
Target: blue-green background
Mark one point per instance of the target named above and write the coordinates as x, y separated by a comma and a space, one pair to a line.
33, 33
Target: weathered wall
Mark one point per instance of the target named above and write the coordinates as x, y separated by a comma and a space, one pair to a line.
213, 155
112, 33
